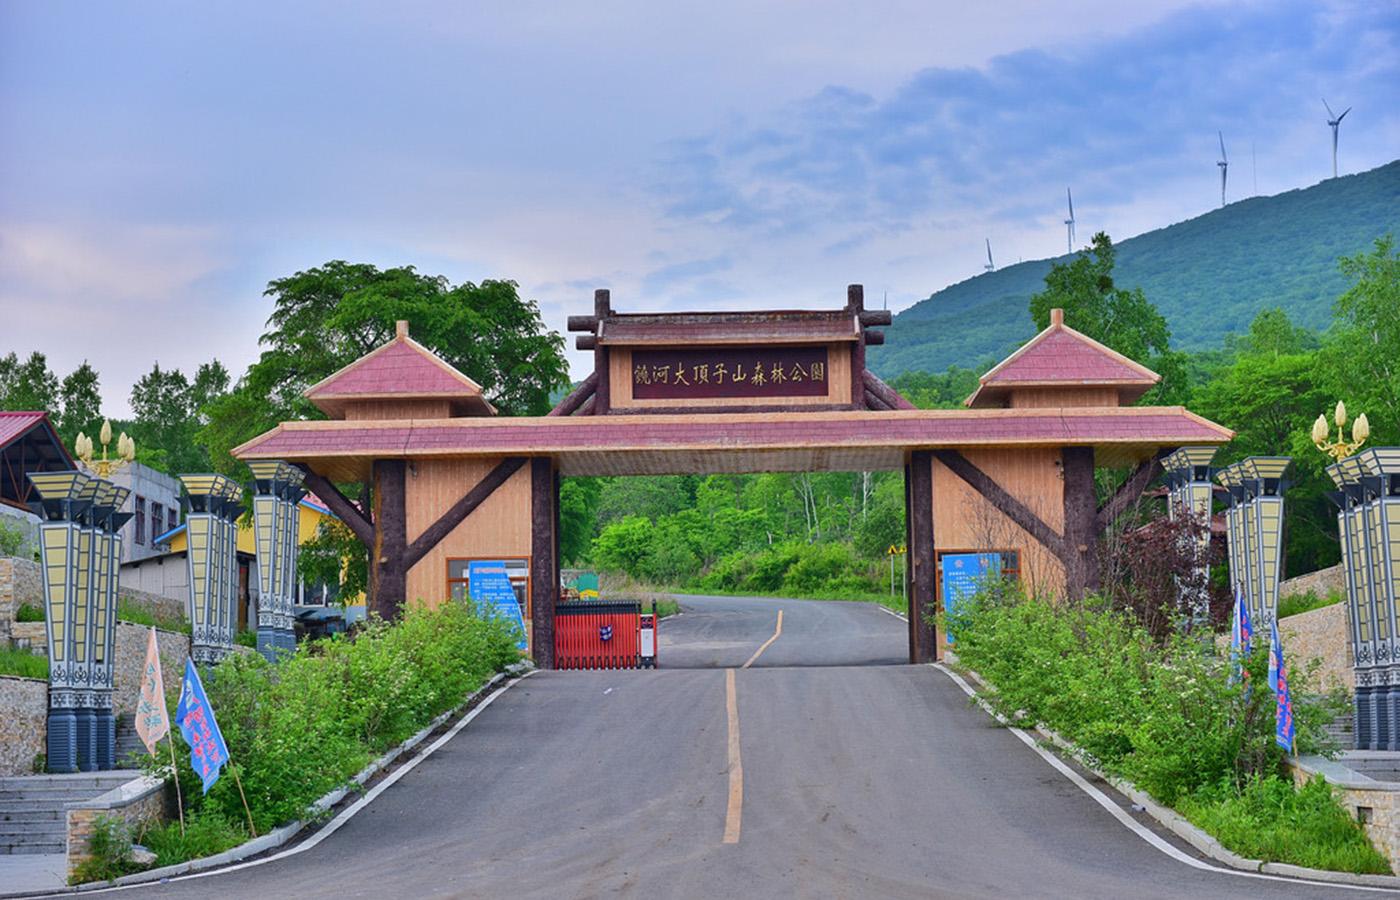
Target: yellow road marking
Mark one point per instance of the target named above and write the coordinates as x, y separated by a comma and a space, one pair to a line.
766, 644
735, 813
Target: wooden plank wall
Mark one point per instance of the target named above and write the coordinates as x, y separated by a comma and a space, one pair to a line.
838, 379
361, 410
499, 527
965, 521
1042, 398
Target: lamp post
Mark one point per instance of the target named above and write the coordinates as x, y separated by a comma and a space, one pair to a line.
278, 492
212, 564
1190, 493
61, 505
1255, 526
1380, 490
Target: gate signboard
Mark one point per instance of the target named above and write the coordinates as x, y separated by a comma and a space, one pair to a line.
705, 372
963, 574
490, 589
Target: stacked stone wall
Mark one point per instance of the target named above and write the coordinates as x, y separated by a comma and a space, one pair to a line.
1320, 583
24, 704
20, 583
1323, 634
129, 661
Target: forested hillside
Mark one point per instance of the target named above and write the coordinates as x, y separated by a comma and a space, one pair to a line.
1208, 275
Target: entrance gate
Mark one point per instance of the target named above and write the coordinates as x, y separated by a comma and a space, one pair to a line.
682, 393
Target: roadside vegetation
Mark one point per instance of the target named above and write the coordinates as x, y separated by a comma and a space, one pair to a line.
1308, 601
1161, 710
23, 663
305, 726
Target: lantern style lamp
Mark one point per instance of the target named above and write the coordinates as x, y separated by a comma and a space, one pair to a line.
209, 547
1360, 600
61, 506
1191, 493
1264, 484
1380, 486
277, 493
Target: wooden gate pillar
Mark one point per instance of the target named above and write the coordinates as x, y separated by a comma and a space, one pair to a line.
919, 561
544, 562
1081, 547
388, 571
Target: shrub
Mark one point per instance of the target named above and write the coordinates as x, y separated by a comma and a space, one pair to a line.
246, 638
205, 833
110, 849
30, 612
12, 538
1294, 604
133, 612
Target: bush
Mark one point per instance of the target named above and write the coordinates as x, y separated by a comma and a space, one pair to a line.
110, 846
1164, 713
30, 612
304, 726
1268, 819
130, 611
11, 538
205, 833
1294, 604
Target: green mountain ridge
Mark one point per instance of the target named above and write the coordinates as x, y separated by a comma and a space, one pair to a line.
1209, 275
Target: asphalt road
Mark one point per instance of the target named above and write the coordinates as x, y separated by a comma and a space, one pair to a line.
861, 777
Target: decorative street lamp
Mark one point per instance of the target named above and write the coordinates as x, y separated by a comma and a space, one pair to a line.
60, 504
1380, 489
1190, 493
104, 467
1255, 526
1341, 447
212, 563
109, 520
278, 491
1371, 628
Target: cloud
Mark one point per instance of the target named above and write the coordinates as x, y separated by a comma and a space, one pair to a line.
1115, 117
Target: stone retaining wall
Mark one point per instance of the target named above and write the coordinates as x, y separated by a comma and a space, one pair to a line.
1375, 804
19, 583
1324, 634
143, 801
1320, 583
24, 704
129, 661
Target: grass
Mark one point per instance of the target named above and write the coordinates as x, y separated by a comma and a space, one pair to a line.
23, 663
140, 615
29, 612
1294, 604
1268, 819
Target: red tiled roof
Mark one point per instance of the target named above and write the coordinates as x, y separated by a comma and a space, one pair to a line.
14, 424
728, 327
1061, 357
401, 368
621, 434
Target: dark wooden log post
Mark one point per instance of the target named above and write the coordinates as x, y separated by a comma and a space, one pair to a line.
1081, 537
577, 397
855, 305
920, 564
388, 583
544, 562
602, 391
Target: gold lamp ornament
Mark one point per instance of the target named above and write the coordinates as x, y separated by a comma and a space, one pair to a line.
1341, 448
103, 467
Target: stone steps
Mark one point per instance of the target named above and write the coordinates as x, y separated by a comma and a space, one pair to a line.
33, 808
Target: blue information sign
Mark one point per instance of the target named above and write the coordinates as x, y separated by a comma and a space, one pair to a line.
491, 590
963, 574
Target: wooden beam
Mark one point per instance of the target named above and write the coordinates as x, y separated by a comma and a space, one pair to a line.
544, 561
855, 304
918, 517
872, 401
602, 390
1081, 557
1128, 492
434, 533
338, 503
388, 575
892, 398
1002, 501
577, 397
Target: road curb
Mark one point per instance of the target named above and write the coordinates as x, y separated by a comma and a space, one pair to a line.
279, 837
1172, 820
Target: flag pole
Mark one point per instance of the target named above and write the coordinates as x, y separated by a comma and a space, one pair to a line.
236, 780
175, 774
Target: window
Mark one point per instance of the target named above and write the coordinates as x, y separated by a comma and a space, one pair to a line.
157, 521
140, 535
517, 569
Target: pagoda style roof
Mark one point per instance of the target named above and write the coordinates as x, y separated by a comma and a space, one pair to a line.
1060, 357
401, 369
771, 326
843, 440
28, 443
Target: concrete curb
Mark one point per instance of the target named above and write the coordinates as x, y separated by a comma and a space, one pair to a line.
281, 836
1179, 825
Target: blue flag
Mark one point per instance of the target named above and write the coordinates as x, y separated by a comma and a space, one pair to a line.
195, 718
1284, 734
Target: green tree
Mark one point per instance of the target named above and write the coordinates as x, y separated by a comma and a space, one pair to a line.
327, 317
1362, 350
578, 517
167, 408
28, 385
82, 403
1122, 319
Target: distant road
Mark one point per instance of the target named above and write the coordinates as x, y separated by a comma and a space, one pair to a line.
826, 768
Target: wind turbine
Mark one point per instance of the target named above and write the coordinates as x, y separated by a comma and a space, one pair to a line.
1224, 165
1335, 121
990, 266
1069, 223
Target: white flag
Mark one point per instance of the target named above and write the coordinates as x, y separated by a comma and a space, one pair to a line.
152, 718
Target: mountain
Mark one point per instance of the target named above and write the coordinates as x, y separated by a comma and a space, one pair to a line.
1209, 275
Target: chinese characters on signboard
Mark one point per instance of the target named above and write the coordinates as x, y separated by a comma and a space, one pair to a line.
747, 372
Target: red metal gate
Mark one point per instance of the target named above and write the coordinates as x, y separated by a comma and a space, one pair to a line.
597, 635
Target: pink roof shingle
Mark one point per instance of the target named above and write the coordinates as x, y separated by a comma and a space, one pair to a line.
1065, 355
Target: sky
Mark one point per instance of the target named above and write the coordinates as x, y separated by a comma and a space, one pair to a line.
161, 162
